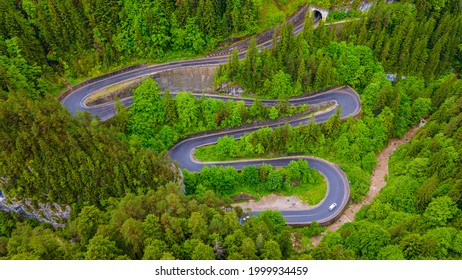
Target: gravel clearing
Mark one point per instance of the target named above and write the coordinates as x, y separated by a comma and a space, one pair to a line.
275, 202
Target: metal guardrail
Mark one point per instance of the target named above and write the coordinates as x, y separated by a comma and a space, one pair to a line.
66, 93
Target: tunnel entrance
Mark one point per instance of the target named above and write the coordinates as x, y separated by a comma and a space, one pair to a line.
317, 16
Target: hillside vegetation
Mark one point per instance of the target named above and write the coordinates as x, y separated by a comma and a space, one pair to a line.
123, 188
42, 40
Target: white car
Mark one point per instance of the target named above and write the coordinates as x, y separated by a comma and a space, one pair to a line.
332, 206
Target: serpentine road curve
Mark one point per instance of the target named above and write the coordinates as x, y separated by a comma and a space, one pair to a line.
338, 190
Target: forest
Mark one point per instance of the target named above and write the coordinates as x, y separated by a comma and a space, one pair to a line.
50, 40
124, 190
157, 120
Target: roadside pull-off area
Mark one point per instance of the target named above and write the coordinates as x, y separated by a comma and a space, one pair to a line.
275, 202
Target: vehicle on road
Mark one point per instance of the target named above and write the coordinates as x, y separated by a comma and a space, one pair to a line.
344, 97
332, 206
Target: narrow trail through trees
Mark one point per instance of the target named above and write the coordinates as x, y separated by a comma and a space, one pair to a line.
378, 181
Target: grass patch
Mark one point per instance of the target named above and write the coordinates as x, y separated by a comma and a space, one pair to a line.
311, 194
270, 15
342, 15
274, 12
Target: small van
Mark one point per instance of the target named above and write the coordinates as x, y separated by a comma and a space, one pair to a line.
332, 206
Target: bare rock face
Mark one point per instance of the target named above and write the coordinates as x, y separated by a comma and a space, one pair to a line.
230, 89
52, 213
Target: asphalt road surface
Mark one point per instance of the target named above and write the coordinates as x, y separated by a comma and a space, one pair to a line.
338, 186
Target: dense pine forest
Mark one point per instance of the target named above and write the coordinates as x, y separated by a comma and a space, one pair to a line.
123, 189
43, 40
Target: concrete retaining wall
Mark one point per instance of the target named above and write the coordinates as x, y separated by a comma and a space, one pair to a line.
191, 79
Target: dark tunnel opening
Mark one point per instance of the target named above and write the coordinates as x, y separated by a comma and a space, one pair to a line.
317, 15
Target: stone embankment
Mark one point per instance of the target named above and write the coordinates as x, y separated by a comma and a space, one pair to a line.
192, 79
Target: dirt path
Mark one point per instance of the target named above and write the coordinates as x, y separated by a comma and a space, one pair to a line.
68, 85
377, 182
275, 202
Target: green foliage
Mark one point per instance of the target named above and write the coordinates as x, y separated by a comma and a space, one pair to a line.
274, 220
391, 252
35, 243
146, 111
440, 211
87, 223
101, 248
226, 146
367, 240
338, 15
308, 184
274, 181
329, 65
203, 252
281, 86
419, 182
177, 227
155, 250
158, 122
410, 43
16, 73
41, 41
7, 224
49, 156
271, 251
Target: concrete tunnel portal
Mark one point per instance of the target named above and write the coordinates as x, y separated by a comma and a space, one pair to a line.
319, 13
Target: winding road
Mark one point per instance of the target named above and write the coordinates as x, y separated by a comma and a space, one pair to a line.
338, 190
